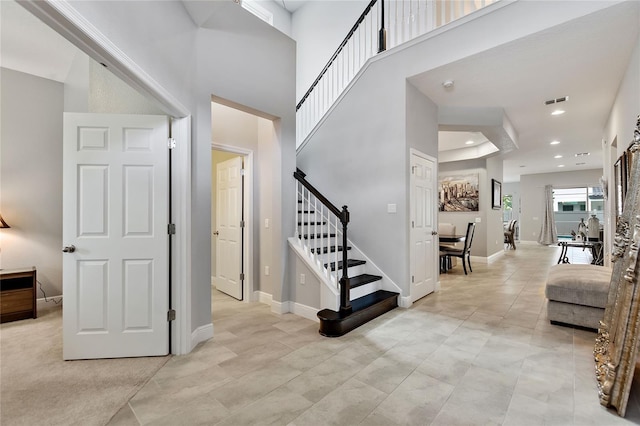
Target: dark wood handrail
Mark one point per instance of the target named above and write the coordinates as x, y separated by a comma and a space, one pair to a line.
300, 177
338, 50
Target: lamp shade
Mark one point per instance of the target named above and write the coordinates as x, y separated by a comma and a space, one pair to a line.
3, 224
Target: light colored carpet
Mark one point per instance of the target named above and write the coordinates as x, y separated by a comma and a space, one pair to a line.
38, 388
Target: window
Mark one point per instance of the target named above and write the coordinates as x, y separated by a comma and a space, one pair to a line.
571, 205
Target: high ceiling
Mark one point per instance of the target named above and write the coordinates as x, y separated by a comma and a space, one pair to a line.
584, 59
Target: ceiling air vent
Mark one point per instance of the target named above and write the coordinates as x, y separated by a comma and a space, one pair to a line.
556, 101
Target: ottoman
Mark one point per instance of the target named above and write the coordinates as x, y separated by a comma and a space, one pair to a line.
577, 294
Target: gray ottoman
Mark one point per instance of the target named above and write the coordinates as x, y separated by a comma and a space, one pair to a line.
577, 294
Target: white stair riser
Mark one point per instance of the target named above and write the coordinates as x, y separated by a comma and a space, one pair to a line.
363, 290
352, 272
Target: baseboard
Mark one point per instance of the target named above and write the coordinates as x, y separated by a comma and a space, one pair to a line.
42, 304
495, 256
404, 301
201, 334
305, 311
262, 297
280, 307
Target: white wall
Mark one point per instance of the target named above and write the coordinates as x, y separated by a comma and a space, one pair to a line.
244, 61
532, 190
619, 129
31, 176
318, 28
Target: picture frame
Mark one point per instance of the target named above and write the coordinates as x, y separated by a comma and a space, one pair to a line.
459, 193
496, 194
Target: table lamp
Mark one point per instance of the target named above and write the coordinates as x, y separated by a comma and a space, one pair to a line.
3, 224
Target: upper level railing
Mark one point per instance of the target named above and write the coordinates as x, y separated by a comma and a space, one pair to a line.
383, 25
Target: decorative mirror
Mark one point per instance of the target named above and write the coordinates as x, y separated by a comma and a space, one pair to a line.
616, 346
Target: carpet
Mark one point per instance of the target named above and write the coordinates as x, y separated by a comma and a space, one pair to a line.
38, 388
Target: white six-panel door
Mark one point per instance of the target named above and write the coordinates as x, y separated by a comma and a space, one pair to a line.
229, 232
424, 263
115, 217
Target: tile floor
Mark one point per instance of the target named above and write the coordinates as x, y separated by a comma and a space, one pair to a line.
480, 351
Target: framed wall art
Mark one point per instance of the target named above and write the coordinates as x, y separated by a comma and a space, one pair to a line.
496, 194
458, 193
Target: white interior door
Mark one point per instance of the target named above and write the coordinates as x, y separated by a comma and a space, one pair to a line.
115, 217
229, 230
424, 259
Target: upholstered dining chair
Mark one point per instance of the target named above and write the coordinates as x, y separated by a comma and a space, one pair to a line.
465, 252
509, 235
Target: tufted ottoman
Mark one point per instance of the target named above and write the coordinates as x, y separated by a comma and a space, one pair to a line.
577, 294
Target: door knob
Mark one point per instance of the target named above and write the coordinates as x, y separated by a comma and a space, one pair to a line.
216, 233
434, 232
69, 249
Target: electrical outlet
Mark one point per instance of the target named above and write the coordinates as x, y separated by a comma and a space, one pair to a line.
302, 279
478, 219
266, 270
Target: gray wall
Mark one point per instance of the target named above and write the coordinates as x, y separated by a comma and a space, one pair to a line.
238, 58
488, 237
31, 176
532, 190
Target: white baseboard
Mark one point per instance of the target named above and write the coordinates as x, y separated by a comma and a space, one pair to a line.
262, 297
280, 307
201, 334
404, 301
42, 304
305, 311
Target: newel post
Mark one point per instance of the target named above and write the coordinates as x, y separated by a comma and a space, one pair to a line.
345, 287
382, 34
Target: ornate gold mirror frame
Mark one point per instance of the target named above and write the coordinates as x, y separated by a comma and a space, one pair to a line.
616, 346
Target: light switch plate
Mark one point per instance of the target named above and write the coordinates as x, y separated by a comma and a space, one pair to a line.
392, 208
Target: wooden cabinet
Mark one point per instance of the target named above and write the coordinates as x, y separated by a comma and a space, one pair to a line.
17, 294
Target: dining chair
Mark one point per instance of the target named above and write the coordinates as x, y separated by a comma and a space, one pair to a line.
465, 252
509, 235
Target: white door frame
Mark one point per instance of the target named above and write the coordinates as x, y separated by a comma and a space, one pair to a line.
412, 152
64, 19
247, 239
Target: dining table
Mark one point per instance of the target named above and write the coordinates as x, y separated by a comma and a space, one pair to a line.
443, 238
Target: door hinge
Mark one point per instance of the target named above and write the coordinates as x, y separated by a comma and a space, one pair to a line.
242, 224
171, 315
171, 229
171, 143
241, 172
413, 224
412, 279
242, 276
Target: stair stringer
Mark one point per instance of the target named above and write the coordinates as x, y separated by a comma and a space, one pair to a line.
329, 294
386, 283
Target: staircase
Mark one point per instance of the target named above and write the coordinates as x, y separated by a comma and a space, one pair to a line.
322, 235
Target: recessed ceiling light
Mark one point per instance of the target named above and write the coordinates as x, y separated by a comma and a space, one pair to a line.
447, 84
558, 156
560, 165
583, 154
469, 142
554, 142
558, 112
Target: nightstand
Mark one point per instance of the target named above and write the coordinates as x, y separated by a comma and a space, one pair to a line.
17, 294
